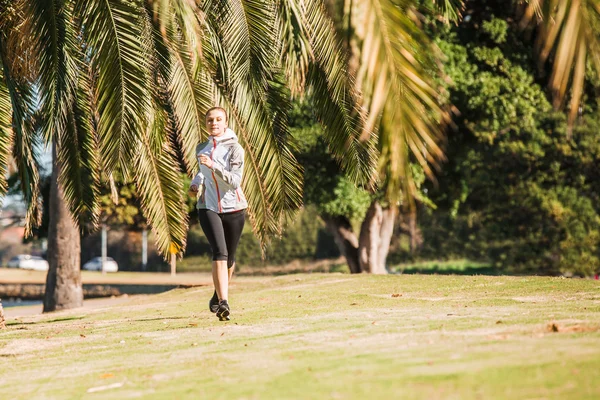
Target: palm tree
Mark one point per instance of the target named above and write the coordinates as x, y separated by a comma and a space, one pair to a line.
567, 35
121, 86
397, 69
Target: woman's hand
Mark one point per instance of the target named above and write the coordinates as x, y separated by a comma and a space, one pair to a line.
193, 190
205, 160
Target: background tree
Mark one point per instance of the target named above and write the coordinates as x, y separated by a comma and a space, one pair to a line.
518, 190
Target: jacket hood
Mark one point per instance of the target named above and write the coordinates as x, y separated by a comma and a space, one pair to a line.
228, 136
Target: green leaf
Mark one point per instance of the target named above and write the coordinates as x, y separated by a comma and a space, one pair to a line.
398, 65
6, 135
115, 33
78, 155
25, 141
160, 188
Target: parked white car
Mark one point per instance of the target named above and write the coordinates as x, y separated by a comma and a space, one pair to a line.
95, 264
27, 261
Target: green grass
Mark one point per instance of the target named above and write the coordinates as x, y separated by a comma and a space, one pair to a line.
320, 336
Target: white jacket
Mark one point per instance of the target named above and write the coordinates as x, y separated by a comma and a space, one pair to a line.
219, 187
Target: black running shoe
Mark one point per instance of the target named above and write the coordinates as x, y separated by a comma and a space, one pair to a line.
213, 304
223, 311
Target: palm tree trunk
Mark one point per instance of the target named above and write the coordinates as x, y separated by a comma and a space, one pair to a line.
2, 324
63, 283
369, 251
375, 236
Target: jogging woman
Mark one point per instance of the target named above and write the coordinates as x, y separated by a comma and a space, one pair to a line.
221, 203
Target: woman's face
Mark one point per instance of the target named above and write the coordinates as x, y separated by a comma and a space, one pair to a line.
216, 122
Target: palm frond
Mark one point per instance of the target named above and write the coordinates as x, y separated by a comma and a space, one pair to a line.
185, 15
295, 48
119, 49
287, 195
313, 51
399, 89
6, 135
78, 154
176, 60
450, 10
160, 188
25, 141
245, 30
56, 67
227, 23
357, 157
14, 27
260, 19
568, 35
65, 106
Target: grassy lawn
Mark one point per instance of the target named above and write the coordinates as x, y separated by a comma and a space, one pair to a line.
320, 336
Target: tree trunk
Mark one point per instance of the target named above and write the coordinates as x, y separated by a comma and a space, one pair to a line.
369, 252
346, 240
2, 324
63, 283
375, 236
408, 226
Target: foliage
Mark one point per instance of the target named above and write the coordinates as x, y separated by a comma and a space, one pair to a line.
518, 189
125, 213
325, 186
397, 68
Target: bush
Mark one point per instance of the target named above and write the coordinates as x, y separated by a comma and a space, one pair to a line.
305, 238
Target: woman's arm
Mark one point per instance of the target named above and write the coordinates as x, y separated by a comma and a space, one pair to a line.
198, 180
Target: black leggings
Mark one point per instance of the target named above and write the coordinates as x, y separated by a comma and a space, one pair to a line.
223, 232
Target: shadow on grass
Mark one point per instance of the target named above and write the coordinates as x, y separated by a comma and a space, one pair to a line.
455, 267
449, 271
17, 322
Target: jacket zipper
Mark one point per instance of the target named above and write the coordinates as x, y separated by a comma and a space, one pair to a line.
214, 177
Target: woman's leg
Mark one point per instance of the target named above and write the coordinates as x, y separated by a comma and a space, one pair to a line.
220, 279
233, 225
213, 229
